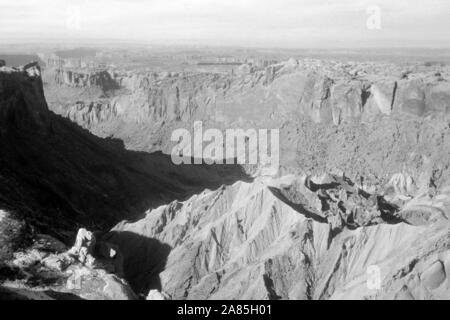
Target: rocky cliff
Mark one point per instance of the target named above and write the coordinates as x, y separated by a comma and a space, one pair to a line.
325, 92
366, 119
85, 78
359, 209
56, 177
371, 120
381, 132
292, 238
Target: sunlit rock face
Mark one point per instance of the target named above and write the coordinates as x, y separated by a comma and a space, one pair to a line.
324, 92
249, 241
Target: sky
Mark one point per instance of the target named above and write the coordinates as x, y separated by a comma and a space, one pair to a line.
252, 23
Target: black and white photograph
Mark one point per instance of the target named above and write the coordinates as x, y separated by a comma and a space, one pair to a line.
220, 155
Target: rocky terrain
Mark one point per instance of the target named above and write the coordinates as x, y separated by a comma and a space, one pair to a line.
364, 183
56, 177
250, 241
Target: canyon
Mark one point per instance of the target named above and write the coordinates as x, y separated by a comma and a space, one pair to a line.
92, 207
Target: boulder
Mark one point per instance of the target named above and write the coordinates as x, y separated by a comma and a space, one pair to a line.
84, 246
13, 234
98, 285
381, 97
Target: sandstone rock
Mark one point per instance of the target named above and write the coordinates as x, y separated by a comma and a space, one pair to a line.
84, 246
425, 209
402, 185
423, 278
56, 262
382, 97
98, 285
13, 234
110, 257
27, 258
404, 294
312, 238
245, 69
245, 241
434, 276
156, 295
63, 274
22, 84
316, 99
325, 95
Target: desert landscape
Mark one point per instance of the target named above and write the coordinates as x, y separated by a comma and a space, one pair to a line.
93, 207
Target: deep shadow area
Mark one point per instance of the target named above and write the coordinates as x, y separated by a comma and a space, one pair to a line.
144, 259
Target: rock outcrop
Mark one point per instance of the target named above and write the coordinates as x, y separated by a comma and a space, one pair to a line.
85, 78
325, 92
56, 177
359, 209
47, 270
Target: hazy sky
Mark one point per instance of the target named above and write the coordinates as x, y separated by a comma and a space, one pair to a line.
266, 23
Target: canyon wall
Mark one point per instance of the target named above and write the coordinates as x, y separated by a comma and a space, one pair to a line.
250, 241
366, 119
363, 184
324, 92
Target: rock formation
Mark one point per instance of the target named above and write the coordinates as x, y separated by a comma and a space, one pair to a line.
48, 270
359, 208
85, 79
56, 177
325, 92
249, 241
156, 295
72, 175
